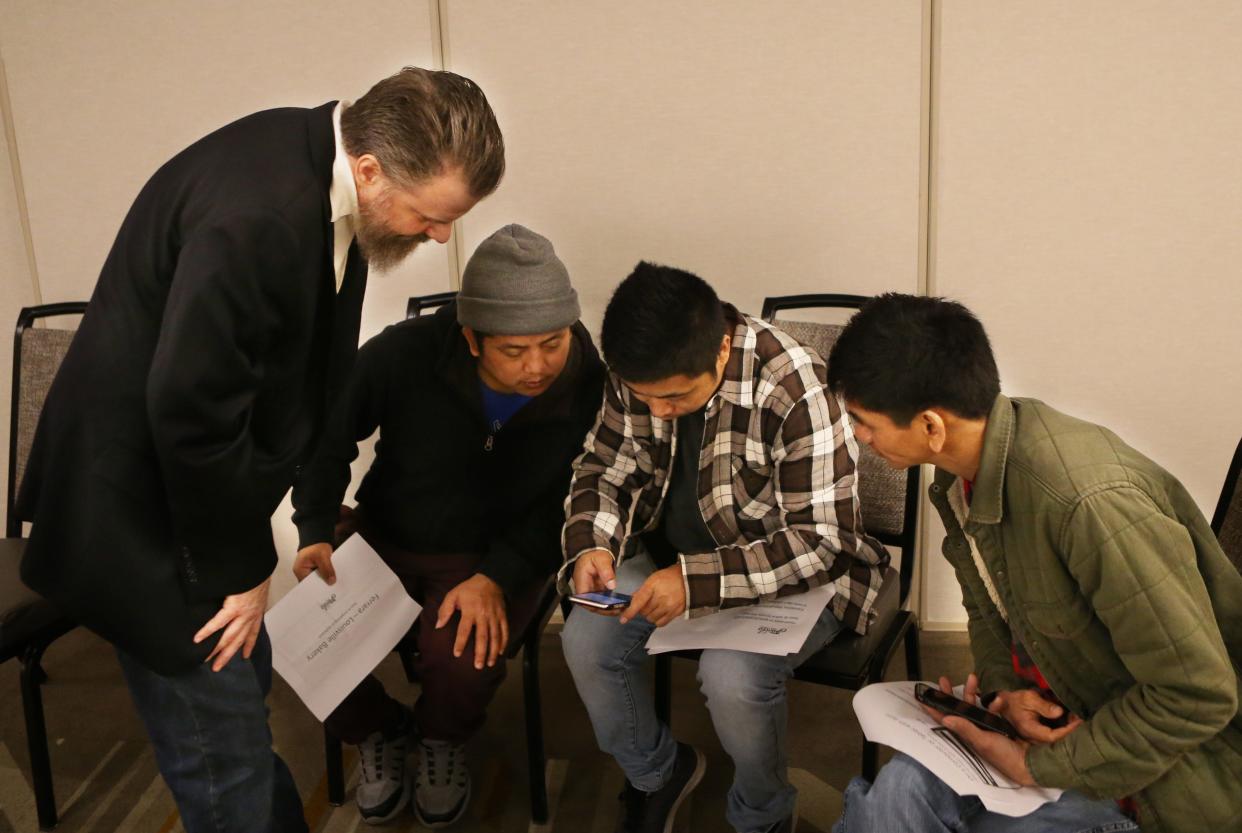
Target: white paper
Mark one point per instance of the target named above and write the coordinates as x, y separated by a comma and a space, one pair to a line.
889, 714
326, 639
778, 627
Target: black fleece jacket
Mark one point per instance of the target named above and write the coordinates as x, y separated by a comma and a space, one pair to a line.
437, 485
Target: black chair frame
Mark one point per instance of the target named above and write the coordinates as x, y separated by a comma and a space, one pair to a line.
420, 303
30, 654
904, 627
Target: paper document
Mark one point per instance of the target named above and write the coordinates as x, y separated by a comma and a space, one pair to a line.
889, 714
326, 639
776, 627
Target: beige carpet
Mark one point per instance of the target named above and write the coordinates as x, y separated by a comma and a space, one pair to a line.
106, 778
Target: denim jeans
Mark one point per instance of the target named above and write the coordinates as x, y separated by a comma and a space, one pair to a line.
745, 695
213, 745
906, 796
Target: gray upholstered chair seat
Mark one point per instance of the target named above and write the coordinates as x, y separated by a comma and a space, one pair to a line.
21, 609
23, 612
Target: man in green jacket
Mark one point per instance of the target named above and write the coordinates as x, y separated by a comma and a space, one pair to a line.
1105, 621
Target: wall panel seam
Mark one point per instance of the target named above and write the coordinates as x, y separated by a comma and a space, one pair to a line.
19, 188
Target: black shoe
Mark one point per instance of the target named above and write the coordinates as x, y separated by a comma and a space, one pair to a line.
643, 812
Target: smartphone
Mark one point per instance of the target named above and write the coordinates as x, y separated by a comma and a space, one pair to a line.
604, 600
930, 695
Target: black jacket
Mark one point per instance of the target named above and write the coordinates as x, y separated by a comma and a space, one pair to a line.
437, 484
193, 388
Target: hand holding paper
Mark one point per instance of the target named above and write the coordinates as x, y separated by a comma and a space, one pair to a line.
325, 640
889, 714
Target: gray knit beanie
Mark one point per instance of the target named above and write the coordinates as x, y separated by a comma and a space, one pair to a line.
515, 285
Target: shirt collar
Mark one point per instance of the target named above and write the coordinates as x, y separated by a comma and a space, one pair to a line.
737, 384
987, 495
343, 193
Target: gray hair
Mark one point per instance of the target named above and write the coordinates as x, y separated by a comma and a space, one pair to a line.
419, 122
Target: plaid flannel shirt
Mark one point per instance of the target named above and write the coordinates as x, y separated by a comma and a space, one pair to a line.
777, 484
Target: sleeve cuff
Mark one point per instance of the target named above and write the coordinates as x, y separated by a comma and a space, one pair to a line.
702, 574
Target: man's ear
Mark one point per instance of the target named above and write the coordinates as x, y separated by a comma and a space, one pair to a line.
722, 357
472, 340
933, 429
367, 171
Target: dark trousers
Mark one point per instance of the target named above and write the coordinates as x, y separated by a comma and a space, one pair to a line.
213, 746
454, 699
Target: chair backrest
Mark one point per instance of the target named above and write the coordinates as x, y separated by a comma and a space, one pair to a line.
1227, 520
37, 354
888, 497
418, 304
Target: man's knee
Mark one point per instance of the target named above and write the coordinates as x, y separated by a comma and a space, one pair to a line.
436, 661
904, 790
741, 677
586, 637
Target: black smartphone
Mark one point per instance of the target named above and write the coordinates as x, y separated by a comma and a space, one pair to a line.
604, 600
930, 695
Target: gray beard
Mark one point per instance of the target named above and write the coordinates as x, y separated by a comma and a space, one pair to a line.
383, 249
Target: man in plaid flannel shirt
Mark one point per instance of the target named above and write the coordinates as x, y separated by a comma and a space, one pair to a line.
720, 472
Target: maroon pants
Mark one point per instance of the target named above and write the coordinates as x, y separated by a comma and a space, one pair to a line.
455, 695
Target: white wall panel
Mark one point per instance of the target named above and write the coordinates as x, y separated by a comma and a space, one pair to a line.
103, 94
16, 290
1088, 205
772, 148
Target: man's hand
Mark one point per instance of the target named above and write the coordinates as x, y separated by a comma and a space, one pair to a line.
482, 606
241, 616
662, 598
1007, 756
317, 557
1024, 708
593, 573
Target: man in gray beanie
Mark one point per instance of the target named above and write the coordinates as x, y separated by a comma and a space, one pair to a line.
482, 408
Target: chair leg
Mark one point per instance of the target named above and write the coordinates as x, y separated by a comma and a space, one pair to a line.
914, 660
536, 758
664, 689
336, 768
870, 761
36, 738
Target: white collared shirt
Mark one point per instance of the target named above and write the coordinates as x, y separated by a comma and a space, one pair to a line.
343, 197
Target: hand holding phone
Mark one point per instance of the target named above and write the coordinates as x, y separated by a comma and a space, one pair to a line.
947, 704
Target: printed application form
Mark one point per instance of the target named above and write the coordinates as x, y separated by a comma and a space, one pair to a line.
326, 639
889, 714
775, 627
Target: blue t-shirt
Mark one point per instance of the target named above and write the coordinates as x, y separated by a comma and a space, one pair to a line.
500, 407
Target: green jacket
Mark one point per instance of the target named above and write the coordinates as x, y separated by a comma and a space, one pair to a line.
1115, 584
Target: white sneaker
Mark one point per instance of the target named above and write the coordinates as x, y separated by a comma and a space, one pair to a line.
384, 786
443, 787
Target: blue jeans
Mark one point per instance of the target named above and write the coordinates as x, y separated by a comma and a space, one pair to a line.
213, 745
906, 796
745, 695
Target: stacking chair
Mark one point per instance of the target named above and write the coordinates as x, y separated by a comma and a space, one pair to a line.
527, 643
29, 623
889, 501
1227, 520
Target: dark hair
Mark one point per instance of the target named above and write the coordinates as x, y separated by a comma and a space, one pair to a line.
902, 354
419, 122
662, 322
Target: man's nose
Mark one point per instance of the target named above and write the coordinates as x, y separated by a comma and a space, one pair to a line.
662, 409
439, 232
